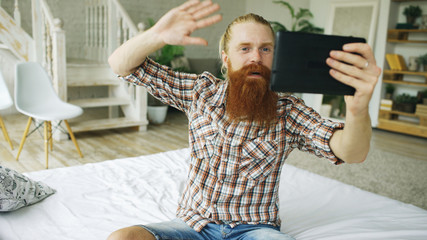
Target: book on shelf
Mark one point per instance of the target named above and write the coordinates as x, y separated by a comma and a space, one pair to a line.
386, 104
396, 62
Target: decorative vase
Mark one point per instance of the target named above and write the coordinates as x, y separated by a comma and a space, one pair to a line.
325, 110
157, 114
413, 65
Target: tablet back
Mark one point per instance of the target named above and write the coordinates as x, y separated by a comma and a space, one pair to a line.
299, 63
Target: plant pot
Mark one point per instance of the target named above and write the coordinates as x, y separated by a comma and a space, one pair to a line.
404, 107
157, 114
410, 20
325, 110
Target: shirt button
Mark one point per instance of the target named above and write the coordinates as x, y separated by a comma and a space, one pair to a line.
215, 205
221, 181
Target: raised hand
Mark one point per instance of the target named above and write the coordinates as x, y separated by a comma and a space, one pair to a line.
357, 70
176, 26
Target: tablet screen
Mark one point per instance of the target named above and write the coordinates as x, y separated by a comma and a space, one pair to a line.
299, 63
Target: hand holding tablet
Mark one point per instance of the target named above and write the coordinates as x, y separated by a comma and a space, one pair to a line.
299, 63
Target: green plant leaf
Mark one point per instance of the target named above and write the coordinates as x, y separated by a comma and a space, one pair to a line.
303, 12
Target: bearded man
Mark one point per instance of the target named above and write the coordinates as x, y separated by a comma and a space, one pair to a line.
240, 132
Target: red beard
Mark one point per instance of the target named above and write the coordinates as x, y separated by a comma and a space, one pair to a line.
250, 98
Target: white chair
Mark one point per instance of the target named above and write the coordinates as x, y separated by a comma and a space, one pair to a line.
36, 98
5, 102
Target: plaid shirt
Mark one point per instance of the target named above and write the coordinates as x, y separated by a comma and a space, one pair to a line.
235, 167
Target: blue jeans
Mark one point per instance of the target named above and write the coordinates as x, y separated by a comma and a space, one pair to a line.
178, 229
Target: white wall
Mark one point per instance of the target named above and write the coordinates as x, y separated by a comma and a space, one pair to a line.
273, 11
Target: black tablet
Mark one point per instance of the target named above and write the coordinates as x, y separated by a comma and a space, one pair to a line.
299, 63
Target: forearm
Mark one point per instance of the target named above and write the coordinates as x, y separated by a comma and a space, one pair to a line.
353, 142
125, 59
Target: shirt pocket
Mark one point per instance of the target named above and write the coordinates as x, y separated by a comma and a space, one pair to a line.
258, 159
204, 139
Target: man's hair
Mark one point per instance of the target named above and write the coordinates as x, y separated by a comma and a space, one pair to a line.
225, 39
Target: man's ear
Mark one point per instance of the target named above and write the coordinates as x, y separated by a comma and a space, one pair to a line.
224, 58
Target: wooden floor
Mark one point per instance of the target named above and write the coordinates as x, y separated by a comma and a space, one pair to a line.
121, 143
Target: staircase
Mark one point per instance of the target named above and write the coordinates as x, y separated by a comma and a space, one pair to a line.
88, 81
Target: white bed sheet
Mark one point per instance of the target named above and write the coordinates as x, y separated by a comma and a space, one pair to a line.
95, 199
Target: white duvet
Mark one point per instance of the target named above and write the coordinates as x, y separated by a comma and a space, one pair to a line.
95, 199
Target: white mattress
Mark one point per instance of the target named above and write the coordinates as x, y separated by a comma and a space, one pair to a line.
95, 199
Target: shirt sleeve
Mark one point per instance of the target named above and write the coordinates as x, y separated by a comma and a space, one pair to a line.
310, 132
170, 87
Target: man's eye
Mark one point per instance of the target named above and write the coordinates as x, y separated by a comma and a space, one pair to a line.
245, 49
266, 49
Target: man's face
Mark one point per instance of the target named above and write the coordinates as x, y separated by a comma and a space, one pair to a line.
249, 61
250, 43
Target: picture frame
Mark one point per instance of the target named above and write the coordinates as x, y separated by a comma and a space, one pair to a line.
353, 18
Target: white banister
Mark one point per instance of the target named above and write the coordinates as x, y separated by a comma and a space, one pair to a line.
53, 53
15, 38
17, 14
107, 26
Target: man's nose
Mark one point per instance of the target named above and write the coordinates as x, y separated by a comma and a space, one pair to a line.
256, 57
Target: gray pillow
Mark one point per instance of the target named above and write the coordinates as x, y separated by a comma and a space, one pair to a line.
17, 190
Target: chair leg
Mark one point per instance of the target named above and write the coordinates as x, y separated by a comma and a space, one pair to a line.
50, 137
46, 142
3, 127
73, 138
24, 137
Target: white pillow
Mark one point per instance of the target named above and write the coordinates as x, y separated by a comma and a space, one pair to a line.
17, 190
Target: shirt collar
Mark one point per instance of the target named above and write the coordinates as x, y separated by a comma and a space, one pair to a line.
220, 96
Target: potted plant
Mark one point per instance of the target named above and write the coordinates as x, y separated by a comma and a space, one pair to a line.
300, 20
389, 90
422, 60
412, 13
405, 103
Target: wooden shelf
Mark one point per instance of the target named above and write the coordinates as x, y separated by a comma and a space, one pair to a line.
405, 41
404, 83
407, 30
424, 74
388, 121
402, 127
416, 124
408, 0
401, 35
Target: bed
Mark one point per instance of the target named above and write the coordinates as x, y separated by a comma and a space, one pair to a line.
93, 200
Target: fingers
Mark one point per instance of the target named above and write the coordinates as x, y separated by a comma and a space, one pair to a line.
188, 4
355, 66
205, 9
199, 6
209, 21
194, 41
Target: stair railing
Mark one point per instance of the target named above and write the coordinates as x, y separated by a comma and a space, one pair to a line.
15, 38
107, 27
50, 45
